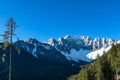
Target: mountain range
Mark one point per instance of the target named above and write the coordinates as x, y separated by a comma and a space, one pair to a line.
71, 48
52, 59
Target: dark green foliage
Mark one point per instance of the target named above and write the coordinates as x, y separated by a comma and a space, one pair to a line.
106, 69
103, 68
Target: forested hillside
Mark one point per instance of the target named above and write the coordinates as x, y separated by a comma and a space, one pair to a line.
106, 67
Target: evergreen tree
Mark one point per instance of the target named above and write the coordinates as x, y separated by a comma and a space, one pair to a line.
106, 69
11, 26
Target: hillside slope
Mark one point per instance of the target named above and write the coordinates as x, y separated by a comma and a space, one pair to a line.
103, 68
25, 66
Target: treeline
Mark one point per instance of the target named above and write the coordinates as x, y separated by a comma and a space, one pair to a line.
106, 67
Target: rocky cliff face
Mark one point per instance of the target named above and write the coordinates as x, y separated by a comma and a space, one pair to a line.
68, 48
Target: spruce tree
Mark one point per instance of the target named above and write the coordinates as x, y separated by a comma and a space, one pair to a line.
11, 26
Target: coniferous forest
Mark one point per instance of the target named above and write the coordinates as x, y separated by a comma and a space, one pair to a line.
106, 67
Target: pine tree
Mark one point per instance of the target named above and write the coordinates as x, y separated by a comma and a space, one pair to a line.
114, 59
11, 26
107, 69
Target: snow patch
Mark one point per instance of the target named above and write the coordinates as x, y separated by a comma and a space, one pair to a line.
34, 50
51, 42
77, 55
100, 52
27, 48
46, 47
118, 41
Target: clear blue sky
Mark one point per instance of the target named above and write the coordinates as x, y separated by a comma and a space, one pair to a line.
43, 19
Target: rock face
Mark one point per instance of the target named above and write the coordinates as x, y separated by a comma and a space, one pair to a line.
85, 42
78, 47
66, 49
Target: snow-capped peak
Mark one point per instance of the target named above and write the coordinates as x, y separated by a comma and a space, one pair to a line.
84, 43
51, 42
68, 37
60, 41
31, 40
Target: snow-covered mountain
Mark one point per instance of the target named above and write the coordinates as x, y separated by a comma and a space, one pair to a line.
81, 47
68, 48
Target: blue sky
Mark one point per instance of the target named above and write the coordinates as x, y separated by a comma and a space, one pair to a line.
43, 19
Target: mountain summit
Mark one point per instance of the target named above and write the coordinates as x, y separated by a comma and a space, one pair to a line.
68, 48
